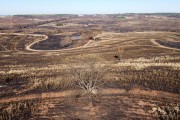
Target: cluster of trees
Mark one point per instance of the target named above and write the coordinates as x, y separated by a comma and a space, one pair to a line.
32, 25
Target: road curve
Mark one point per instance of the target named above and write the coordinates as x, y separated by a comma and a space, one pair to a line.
156, 43
28, 47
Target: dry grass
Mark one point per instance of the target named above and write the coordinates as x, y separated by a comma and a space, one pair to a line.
166, 112
52, 84
143, 64
19, 110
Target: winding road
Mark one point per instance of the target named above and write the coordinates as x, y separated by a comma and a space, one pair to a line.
45, 37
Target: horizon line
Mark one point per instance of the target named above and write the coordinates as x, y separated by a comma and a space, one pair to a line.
91, 13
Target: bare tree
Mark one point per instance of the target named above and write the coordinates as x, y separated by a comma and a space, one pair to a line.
89, 79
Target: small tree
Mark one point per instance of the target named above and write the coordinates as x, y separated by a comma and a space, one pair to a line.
89, 79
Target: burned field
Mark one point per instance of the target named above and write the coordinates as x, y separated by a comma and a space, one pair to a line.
91, 67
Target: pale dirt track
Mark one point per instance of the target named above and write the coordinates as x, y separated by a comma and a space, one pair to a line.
135, 91
88, 44
156, 43
29, 46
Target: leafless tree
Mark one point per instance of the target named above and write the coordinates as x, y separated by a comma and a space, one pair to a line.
89, 79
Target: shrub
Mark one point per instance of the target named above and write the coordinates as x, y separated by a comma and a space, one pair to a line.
52, 84
167, 112
89, 79
19, 110
60, 24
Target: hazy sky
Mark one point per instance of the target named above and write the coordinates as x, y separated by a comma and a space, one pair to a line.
9, 7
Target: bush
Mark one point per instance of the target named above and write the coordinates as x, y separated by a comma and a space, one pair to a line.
60, 24
19, 110
89, 79
52, 84
167, 112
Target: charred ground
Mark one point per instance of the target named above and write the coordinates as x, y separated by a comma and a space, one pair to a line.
138, 55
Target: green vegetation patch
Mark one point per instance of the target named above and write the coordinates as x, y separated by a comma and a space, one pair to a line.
59, 24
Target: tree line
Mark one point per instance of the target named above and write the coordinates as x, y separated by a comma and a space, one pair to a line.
31, 25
